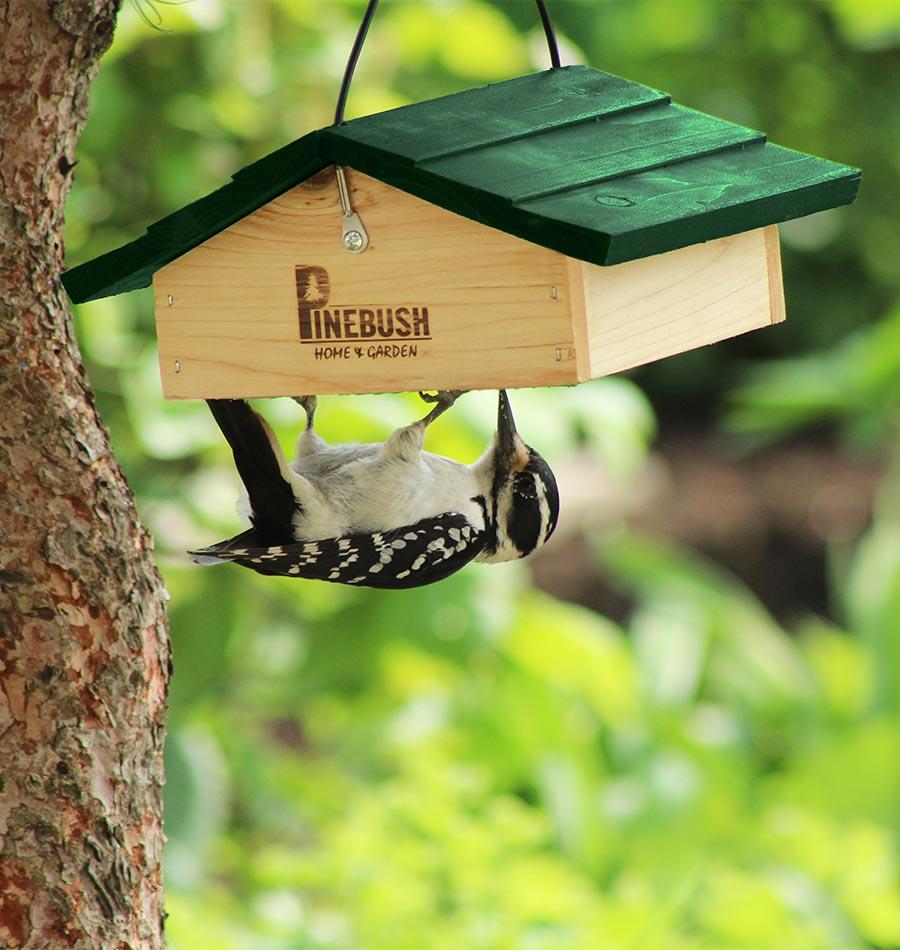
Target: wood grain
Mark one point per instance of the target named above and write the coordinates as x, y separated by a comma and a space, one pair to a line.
500, 312
776, 282
233, 325
648, 309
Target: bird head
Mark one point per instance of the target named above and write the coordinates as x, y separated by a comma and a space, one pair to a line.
524, 503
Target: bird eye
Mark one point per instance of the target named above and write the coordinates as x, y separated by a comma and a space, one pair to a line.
524, 486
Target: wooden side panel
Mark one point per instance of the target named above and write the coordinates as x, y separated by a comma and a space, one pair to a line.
582, 352
648, 309
776, 282
274, 306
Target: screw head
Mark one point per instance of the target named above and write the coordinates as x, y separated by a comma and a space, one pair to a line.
352, 241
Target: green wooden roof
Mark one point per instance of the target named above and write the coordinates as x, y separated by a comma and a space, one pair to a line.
596, 167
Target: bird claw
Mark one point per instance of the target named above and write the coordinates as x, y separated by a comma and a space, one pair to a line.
445, 397
442, 400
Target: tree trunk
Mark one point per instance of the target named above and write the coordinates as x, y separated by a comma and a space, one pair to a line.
84, 655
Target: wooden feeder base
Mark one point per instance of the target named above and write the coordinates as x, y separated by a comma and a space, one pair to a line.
274, 306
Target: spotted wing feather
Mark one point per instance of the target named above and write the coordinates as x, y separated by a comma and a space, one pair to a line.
410, 556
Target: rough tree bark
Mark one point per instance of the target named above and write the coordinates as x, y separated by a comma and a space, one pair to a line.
84, 652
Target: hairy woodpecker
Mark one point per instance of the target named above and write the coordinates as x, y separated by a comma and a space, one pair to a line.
385, 514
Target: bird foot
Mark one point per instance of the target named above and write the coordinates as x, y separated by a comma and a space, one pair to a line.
442, 400
448, 396
309, 404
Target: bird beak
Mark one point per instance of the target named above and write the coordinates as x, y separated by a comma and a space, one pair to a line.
507, 443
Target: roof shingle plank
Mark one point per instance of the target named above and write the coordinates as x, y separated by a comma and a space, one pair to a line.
700, 199
501, 112
608, 147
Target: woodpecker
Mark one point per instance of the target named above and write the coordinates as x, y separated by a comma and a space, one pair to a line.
387, 515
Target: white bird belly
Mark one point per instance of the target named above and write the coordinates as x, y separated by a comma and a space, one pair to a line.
356, 489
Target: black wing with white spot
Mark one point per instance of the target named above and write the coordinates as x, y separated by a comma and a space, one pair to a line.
411, 556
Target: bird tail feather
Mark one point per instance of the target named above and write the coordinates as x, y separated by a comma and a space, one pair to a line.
262, 466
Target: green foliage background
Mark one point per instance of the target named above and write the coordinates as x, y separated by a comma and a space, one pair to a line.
478, 764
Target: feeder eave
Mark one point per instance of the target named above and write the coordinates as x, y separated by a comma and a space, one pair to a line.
133, 265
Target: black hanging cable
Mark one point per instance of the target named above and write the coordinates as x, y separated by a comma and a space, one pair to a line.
552, 45
351, 62
548, 32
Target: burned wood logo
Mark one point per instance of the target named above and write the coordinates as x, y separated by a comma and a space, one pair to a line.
321, 323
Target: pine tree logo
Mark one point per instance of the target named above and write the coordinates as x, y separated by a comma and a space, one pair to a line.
313, 288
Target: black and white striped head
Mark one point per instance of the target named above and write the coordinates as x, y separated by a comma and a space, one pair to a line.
524, 504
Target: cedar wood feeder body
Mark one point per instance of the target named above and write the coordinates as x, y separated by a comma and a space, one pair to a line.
535, 232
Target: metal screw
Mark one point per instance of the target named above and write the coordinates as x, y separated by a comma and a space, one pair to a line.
171, 301
177, 366
352, 241
353, 233
553, 293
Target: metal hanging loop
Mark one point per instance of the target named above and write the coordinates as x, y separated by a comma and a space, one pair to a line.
353, 235
352, 60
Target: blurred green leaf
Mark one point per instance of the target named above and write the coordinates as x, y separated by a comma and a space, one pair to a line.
750, 657
856, 383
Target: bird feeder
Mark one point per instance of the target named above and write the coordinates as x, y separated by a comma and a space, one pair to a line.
535, 232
